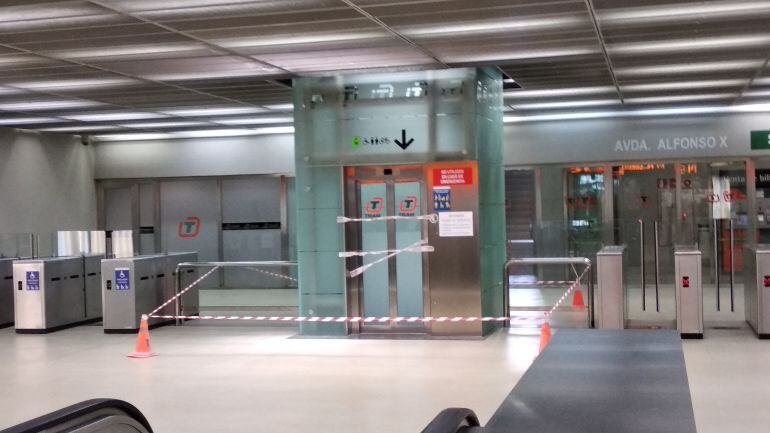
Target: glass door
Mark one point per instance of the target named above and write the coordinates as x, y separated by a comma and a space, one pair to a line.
646, 222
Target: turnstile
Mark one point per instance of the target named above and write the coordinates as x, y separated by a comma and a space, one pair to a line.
6, 292
689, 292
611, 288
55, 293
757, 289
133, 286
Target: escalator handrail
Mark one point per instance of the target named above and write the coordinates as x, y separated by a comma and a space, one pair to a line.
76, 411
452, 420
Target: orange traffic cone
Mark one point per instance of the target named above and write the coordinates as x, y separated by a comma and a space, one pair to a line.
545, 336
143, 341
577, 299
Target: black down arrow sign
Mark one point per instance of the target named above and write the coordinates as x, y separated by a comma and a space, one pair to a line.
403, 143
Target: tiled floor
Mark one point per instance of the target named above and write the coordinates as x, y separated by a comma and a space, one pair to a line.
229, 379
234, 379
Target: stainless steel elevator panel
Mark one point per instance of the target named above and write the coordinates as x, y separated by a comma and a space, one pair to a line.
134, 286
756, 289
689, 292
6, 292
611, 288
49, 294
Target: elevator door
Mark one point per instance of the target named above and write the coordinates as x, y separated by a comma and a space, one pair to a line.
393, 287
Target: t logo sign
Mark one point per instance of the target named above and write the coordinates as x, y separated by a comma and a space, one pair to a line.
685, 282
190, 227
374, 207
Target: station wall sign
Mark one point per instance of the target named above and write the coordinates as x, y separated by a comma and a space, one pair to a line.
453, 176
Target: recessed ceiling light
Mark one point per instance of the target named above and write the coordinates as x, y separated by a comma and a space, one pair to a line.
683, 85
566, 104
28, 120
225, 111
680, 98
65, 84
690, 44
81, 127
300, 38
161, 124
494, 25
566, 91
681, 11
689, 68
105, 117
128, 50
281, 107
45, 105
209, 133
254, 120
673, 111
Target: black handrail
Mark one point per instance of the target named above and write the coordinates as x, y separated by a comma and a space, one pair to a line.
79, 410
453, 420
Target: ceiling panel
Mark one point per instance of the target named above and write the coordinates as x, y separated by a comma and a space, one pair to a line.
160, 65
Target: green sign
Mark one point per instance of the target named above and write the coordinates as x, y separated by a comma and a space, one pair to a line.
760, 140
356, 142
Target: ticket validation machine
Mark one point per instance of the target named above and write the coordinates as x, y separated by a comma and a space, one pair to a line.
689, 292
611, 288
757, 289
56, 293
6, 292
133, 286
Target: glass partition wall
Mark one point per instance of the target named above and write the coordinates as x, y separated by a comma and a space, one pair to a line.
651, 208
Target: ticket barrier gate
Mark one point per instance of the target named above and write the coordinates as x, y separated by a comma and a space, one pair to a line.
6, 292
757, 289
56, 293
611, 288
689, 292
133, 286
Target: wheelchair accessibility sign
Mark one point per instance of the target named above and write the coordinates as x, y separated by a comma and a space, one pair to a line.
33, 280
122, 279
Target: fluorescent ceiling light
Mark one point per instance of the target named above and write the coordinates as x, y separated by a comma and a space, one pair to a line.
132, 137
494, 25
81, 127
566, 104
674, 111
689, 68
567, 91
756, 93
206, 75
680, 98
683, 85
126, 50
765, 81
171, 124
28, 120
254, 120
683, 11
105, 117
299, 38
210, 133
64, 84
281, 107
690, 44
543, 53
9, 91
195, 112
46, 105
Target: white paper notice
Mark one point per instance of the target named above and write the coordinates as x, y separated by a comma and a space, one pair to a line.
455, 224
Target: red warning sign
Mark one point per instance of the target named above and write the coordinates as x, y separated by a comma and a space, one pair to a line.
453, 176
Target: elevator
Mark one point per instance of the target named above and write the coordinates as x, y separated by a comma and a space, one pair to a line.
396, 287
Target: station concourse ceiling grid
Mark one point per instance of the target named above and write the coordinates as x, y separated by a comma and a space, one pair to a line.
201, 68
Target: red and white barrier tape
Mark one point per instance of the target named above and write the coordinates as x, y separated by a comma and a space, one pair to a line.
540, 283
416, 247
321, 319
186, 289
273, 274
432, 218
566, 294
